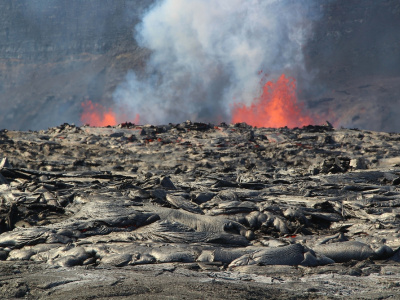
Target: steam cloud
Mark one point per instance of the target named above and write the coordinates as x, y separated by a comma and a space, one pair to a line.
208, 54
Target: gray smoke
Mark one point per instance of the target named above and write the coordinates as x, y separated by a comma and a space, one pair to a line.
207, 55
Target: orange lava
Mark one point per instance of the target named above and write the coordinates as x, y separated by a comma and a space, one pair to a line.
97, 115
276, 107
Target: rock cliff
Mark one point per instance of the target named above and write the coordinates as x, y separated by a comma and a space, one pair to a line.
56, 54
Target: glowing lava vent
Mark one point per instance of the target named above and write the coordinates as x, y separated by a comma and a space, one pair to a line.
97, 115
276, 107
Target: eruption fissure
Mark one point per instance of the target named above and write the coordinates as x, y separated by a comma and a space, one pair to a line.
277, 106
206, 54
95, 114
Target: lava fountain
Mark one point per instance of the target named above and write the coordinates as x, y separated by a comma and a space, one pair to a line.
96, 114
276, 107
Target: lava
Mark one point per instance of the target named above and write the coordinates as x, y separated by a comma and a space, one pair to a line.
96, 114
276, 107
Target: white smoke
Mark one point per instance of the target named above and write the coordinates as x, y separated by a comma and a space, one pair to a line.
207, 54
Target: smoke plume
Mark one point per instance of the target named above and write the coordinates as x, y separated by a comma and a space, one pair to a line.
207, 55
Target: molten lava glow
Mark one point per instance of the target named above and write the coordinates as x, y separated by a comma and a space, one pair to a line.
96, 114
276, 107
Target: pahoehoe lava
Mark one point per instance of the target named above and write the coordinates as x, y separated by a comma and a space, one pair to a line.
218, 200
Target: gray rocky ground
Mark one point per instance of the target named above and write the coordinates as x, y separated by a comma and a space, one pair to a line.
195, 210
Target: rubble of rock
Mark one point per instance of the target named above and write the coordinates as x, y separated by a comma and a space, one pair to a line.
227, 198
